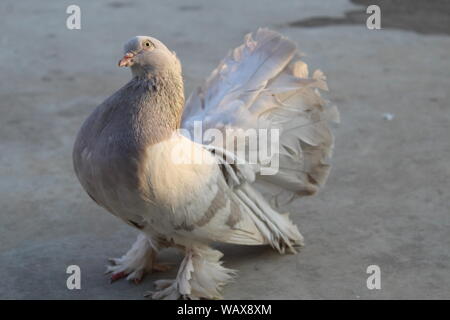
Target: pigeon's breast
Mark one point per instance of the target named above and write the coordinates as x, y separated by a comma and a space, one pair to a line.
109, 175
174, 170
106, 159
145, 184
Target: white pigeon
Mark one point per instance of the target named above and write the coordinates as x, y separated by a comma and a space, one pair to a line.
126, 156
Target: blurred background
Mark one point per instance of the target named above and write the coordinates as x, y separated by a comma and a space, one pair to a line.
386, 202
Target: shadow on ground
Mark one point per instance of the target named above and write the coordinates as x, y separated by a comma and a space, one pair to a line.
422, 16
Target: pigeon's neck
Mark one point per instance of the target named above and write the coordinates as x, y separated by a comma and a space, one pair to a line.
162, 101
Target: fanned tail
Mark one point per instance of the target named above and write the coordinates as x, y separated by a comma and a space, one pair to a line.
292, 102
264, 84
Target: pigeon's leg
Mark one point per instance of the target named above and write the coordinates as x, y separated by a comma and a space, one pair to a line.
138, 261
201, 276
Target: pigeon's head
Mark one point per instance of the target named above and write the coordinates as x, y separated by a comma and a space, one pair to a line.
146, 56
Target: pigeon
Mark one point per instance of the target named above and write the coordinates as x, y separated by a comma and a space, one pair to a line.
136, 157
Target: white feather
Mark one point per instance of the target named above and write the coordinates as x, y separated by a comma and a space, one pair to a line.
263, 83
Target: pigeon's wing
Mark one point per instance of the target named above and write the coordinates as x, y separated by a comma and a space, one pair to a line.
207, 199
263, 84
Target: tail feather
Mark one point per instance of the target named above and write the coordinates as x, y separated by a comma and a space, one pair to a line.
264, 84
292, 102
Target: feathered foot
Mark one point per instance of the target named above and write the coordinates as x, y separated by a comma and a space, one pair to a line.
201, 276
138, 261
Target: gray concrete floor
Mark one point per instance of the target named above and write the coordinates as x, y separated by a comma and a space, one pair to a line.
387, 199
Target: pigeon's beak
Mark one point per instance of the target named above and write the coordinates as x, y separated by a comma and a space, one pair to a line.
127, 60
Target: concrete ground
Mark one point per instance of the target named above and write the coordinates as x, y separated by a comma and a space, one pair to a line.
386, 202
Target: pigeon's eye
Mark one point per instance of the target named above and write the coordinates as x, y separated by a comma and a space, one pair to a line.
148, 44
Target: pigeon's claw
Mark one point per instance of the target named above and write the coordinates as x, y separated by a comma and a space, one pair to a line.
138, 261
117, 276
137, 275
168, 290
